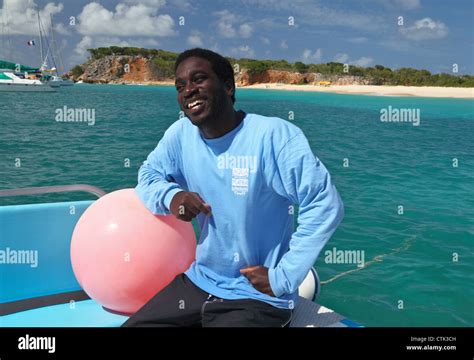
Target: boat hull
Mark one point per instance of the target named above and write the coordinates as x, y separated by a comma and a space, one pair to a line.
67, 82
25, 88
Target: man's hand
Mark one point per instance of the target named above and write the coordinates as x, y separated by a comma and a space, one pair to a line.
258, 276
187, 205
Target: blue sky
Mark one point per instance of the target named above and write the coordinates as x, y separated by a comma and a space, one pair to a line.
431, 35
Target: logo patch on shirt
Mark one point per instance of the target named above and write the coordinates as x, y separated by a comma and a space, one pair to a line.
240, 181
242, 166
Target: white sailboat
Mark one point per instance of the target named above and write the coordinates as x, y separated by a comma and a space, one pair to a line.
15, 77
52, 76
9, 82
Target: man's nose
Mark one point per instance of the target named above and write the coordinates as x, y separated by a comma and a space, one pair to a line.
189, 89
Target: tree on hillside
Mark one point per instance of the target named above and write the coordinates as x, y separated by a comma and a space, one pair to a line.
301, 67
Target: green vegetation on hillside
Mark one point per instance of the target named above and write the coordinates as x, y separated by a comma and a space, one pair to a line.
77, 71
131, 51
163, 66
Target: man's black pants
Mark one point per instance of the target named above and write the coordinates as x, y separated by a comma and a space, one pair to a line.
182, 303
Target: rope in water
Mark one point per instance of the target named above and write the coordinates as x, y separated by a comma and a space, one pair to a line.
407, 243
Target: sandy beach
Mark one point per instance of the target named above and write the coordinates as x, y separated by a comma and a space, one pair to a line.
384, 90
422, 91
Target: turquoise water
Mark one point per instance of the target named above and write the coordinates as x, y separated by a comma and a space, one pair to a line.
413, 280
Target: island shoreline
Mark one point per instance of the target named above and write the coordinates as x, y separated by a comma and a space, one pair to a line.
374, 90
370, 90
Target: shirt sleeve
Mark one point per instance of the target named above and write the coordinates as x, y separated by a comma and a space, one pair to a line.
304, 180
157, 177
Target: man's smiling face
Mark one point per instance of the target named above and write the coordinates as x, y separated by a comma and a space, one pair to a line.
201, 94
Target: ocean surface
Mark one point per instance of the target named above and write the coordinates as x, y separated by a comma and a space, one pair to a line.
408, 190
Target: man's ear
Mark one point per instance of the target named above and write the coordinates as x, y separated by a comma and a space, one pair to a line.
230, 89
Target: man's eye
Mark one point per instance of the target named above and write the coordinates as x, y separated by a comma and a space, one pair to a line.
199, 79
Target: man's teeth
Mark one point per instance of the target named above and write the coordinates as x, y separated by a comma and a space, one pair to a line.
194, 103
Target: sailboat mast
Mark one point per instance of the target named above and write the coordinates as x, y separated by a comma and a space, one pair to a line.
53, 44
40, 39
55, 52
5, 34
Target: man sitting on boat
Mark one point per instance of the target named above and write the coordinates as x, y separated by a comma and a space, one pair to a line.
240, 175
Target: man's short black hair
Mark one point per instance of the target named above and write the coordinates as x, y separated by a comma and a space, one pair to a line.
220, 65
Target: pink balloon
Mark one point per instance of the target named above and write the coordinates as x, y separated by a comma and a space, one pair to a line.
122, 254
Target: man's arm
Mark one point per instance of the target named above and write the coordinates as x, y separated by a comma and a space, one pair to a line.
159, 180
304, 180
156, 178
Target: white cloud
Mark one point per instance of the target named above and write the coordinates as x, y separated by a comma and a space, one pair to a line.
243, 51
62, 29
363, 61
312, 57
21, 18
226, 30
228, 25
225, 15
245, 30
310, 12
265, 40
125, 21
341, 58
195, 39
225, 24
83, 45
183, 5
345, 59
89, 42
425, 29
270, 24
283, 44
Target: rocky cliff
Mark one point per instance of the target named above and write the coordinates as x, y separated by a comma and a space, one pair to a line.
124, 69
287, 77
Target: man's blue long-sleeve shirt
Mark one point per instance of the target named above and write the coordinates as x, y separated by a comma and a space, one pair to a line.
251, 177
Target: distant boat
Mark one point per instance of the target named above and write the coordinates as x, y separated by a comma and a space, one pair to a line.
9, 82
51, 80
16, 77
59, 81
67, 82
51, 76
21, 78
